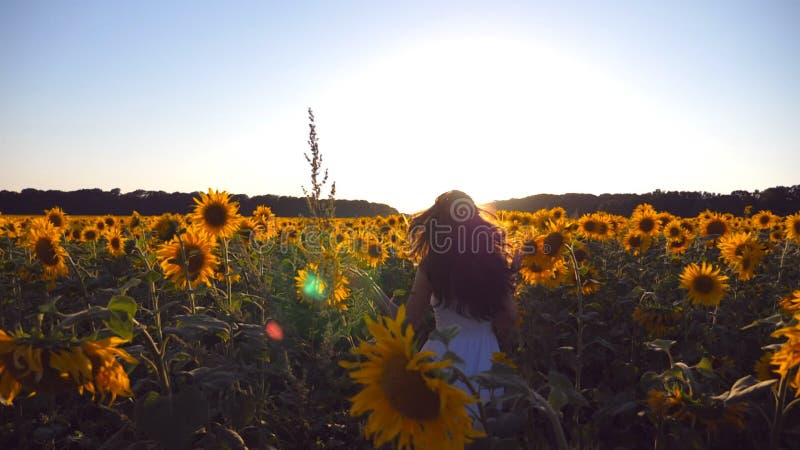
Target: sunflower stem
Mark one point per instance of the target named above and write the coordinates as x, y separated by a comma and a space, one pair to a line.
152, 293
185, 265
163, 376
555, 423
80, 278
227, 274
474, 392
777, 421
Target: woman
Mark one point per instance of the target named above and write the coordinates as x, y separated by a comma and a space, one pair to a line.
464, 276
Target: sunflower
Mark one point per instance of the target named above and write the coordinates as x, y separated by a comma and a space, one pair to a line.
109, 378
679, 244
589, 281
706, 286
763, 220
557, 213
657, 320
672, 229
56, 217
675, 404
741, 252
135, 221
555, 240
216, 213
645, 221
100, 224
779, 233
90, 234
310, 283
403, 396
166, 227
373, 252
116, 243
247, 228
787, 356
10, 229
200, 261
74, 234
790, 304
763, 369
20, 364
539, 268
715, 225
595, 226
110, 221
636, 242
47, 249
747, 263
690, 226
792, 224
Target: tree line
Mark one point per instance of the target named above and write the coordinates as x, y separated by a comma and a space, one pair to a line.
780, 200
114, 202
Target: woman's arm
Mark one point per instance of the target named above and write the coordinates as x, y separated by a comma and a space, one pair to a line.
419, 300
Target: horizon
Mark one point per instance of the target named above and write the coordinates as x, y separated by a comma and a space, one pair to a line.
410, 100
487, 204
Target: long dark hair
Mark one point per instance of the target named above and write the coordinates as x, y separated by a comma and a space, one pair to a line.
463, 253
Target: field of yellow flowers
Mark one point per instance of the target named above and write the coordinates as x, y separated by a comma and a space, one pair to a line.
220, 330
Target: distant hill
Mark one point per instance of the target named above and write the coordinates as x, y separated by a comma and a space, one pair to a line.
780, 200
98, 202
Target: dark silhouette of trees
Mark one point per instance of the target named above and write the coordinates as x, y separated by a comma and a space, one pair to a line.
99, 202
780, 200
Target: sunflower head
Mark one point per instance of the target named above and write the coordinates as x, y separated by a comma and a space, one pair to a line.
403, 394
46, 245
715, 225
763, 220
115, 242
216, 214
166, 227
190, 253
704, 283
56, 217
792, 226
90, 234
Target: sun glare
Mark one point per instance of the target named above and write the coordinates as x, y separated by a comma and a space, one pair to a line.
494, 117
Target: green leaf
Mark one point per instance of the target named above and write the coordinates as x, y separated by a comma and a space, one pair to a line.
196, 326
131, 283
152, 276
561, 383
124, 304
774, 320
743, 388
705, 368
660, 345
120, 324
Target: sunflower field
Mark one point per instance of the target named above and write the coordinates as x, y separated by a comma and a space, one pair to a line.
222, 330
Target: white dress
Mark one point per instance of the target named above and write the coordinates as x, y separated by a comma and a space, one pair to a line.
474, 343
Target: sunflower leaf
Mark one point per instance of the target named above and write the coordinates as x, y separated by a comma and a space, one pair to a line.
774, 319
660, 345
743, 388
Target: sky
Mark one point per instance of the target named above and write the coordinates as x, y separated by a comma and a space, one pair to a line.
499, 99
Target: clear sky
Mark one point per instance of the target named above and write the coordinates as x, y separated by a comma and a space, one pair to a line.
500, 99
